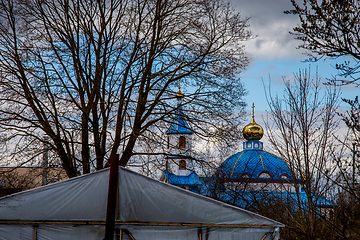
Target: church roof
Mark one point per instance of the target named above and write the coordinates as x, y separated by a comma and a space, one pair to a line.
191, 179
179, 125
245, 199
250, 163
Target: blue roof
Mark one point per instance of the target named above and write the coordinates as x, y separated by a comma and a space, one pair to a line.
191, 179
246, 199
253, 162
176, 156
179, 125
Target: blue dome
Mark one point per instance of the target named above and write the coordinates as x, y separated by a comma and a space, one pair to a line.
254, 164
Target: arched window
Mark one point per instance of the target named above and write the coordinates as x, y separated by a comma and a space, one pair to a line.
182, 165
245, 175
182, 142
284, 176
264, 175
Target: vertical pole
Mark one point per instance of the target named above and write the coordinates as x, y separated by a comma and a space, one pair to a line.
35, 231
353, 180
45, 161
200, 233
112, 197
118, 234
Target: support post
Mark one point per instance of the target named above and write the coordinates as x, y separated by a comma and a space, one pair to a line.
353, 192
112, 197
35, 231
45, 161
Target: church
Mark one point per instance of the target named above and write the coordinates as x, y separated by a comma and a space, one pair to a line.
244, 179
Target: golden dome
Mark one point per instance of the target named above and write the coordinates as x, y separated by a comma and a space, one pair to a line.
179, 94
253, 131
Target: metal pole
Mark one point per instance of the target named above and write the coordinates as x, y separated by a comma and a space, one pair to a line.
353, 180
112, 197
45, 161
200, 233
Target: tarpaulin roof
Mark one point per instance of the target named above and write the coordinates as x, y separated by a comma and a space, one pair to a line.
149, 209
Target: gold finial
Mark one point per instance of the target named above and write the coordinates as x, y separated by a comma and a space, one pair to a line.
179, 94
253, 131
253, 115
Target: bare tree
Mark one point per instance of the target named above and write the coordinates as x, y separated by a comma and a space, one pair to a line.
330, 28
93, 76
352, 119
348, 175
303, 123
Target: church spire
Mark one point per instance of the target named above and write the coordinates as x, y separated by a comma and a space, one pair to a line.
179, 125
179, 138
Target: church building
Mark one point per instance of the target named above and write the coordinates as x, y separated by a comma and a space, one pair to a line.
179, 163
244, 178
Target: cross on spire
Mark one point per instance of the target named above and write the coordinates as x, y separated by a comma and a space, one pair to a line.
179, 95
253, 107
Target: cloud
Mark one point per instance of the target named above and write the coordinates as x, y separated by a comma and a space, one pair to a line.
274, 55
271, 26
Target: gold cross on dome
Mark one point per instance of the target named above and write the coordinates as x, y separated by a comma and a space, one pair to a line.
253, 107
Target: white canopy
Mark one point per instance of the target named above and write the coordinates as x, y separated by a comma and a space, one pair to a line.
147, 209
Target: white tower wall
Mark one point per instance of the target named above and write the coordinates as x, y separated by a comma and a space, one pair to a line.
179, 153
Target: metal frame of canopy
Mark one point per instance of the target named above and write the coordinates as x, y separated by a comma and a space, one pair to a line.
203, 230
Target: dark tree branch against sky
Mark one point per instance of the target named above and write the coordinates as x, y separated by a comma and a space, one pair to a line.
93, 76
330, 28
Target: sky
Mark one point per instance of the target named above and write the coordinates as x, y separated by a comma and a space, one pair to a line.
273, 53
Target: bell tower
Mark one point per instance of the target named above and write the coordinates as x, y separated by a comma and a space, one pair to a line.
179, 140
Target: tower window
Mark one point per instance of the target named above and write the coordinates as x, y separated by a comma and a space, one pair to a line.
182, 165
182, 142
168, 142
